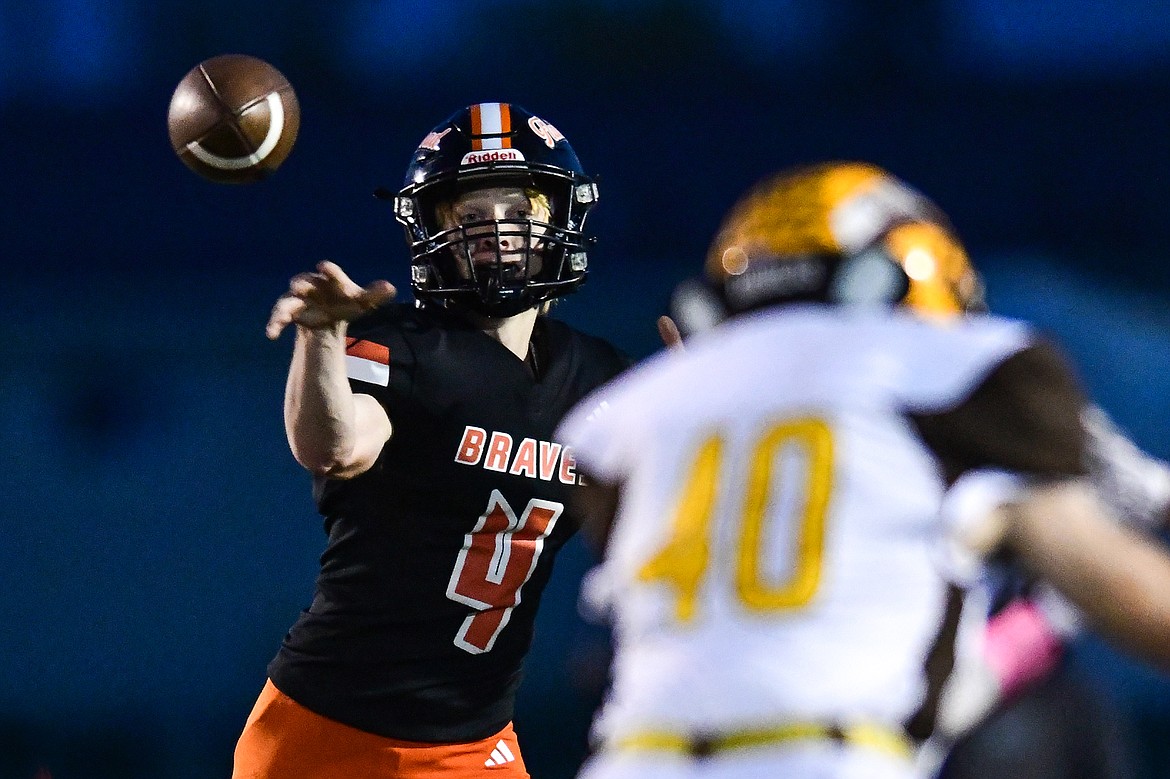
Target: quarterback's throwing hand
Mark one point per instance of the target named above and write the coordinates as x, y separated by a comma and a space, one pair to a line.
323, 298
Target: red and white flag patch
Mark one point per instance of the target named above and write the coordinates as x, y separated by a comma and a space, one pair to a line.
367, 361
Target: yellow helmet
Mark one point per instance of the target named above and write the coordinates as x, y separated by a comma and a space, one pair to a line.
841, 231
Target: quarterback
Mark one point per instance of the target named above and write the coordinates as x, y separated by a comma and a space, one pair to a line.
429, 432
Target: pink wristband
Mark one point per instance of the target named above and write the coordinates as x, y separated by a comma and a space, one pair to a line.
1020, 646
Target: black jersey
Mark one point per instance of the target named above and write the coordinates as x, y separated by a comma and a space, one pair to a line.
437, 555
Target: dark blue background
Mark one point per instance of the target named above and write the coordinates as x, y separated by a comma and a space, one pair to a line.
160, 538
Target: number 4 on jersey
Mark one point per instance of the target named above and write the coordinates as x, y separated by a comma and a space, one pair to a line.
497, 558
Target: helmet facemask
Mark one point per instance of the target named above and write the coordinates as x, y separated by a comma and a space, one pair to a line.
495, 264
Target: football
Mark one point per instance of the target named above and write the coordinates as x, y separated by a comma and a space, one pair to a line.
233, 119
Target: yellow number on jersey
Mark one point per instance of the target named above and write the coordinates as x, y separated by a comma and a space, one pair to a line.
683, 561
814, 437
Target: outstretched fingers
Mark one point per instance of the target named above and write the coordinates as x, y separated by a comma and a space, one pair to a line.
283, 314
304, 284
344, 288
323, 297
376, 293
337, 282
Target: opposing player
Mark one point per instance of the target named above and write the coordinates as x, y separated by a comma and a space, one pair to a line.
780, 499
429, 431
1022, 643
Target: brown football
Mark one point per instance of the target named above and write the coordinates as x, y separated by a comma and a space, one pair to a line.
233, 119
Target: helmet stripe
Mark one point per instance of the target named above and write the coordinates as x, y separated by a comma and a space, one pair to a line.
491, 119
506, 125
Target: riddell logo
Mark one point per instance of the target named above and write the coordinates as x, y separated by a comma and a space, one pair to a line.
492, 155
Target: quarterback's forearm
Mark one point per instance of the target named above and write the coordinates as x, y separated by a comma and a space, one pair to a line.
1117, 577
331, 431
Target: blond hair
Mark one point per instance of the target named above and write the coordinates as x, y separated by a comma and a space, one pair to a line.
445, 209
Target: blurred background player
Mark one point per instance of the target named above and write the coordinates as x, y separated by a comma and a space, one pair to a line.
1013, 706
775, 499
429, 433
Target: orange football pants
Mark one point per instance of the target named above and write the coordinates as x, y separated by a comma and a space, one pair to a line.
284, 740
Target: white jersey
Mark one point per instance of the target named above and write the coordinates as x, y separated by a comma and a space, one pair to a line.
773, 559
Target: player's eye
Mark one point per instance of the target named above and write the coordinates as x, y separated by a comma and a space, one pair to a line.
469, 216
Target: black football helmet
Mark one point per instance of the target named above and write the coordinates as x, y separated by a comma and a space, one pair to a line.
495, 145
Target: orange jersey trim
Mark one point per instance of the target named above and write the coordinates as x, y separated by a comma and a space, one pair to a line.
367, 350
